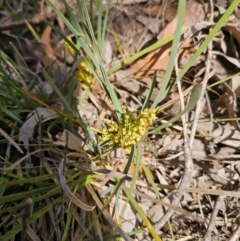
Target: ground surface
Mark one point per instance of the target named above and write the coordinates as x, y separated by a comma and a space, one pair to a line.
179, 182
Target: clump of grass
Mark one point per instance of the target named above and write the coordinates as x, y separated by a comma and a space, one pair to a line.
126, 132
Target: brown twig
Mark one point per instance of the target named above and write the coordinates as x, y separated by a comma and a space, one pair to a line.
28, 202
165, 204
54, 218
186, 177
35, 20
236, 235
207, 236
187, 156
206, 77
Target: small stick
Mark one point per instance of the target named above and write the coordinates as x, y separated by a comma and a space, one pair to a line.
207, 236
187, 156
28, 203
206, 77
35, 20
236, 235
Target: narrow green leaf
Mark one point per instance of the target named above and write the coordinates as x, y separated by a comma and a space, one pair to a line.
2, 185
68, 223
22, 195
147, 99
141, 53
196, 92
143, 216
174, 52
17, 229
130, 160
11, 115
210, 36
137, 166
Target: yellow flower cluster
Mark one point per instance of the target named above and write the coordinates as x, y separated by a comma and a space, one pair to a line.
69, 48
83, 75
130, 131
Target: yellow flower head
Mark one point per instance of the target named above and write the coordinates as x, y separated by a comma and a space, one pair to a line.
83, 75
130, 131
68, 47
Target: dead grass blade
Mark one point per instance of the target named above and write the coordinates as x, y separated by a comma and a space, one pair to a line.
107, 216
68, 192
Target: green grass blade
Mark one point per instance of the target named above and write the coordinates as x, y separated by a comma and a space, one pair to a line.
63, 18
68, 222
104, 82
174, 51
147, 99
11, 115
210, 36
142, 215
195, 95
224, 80
17, 229
2, 185
104, 27
137, 166
100, 38
130, 159
57, 91
22, 195
141, 53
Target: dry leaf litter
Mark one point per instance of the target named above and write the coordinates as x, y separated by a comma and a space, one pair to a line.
212, 193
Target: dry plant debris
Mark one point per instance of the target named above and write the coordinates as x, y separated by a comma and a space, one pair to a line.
181, 183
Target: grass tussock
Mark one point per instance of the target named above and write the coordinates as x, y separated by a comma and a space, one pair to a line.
93, 150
